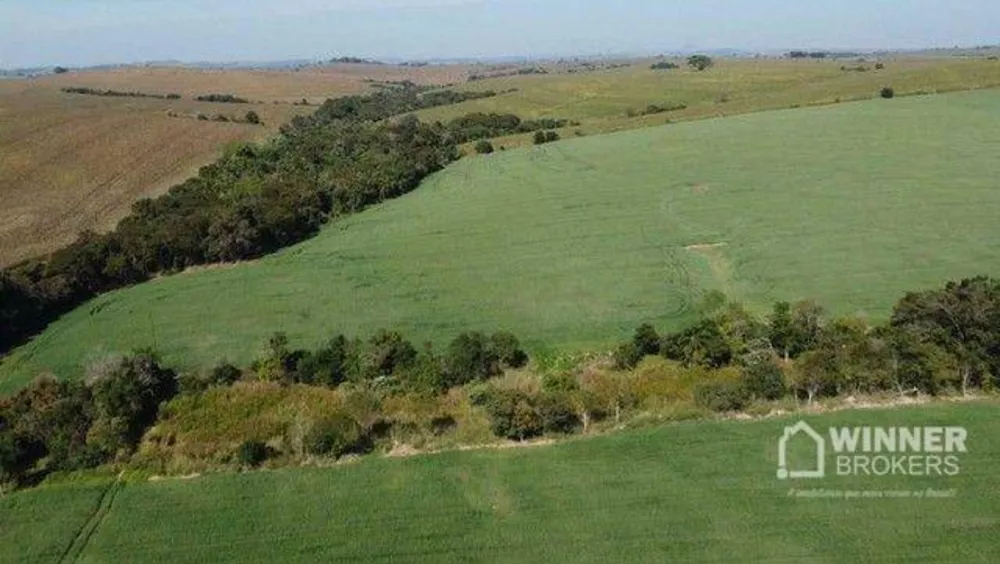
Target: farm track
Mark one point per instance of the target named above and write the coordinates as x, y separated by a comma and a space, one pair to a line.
79, 542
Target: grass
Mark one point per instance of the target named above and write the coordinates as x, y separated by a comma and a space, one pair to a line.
571, 245
734, 86
687, 492
40, 525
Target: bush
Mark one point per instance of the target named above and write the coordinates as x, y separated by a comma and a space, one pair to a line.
721, 396
763, 380
470, 357
879, 66
551, 136
627, 356
225, 374
888, 92
556, 413
507, 349
512, 414
335, 434
664, 65
252, 117
540, 138
252, 454
484, 147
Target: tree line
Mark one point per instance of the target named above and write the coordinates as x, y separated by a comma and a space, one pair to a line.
476, 126
939, 340
945, 340
118, 93
54, 425
254, 200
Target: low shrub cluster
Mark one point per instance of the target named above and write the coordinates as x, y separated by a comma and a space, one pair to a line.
222, 98
118, 94
653, 109
542, 137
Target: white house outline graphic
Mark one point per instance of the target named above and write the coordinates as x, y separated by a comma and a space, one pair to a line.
801, 427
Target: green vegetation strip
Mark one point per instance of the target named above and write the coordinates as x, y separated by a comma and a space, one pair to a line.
691, 492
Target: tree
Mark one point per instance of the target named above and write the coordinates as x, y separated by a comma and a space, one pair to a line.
126, 396
700, 62
702, 345
484, 147
470, 357
507, 349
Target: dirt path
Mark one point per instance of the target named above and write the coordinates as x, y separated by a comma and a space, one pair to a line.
79, 542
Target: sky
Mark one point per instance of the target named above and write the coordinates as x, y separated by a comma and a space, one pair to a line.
88, 32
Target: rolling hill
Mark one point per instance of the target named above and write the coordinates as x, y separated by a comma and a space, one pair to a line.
572, 244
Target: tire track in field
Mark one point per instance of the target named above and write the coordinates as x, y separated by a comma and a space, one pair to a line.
79, 543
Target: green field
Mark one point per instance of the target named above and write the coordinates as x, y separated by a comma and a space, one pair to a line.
571, 245
600, 100
690, 492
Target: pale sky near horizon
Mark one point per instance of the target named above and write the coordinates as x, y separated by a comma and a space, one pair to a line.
87, 32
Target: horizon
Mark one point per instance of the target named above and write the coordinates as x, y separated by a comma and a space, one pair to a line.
90, 33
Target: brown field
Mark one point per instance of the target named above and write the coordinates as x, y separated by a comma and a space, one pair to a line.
314, 83
71, 162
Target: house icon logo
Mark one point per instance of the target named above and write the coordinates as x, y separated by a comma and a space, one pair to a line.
801, 428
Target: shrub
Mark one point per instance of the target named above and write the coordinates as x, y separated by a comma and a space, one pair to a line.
627, 356
556, 413
336, 434
664, 65
512, 414
539, 137
484, 147
700, 62
551, 136
252, 454
879, 66
763, 380
225, 374
888, 92
507, 349
252, 117
721, 396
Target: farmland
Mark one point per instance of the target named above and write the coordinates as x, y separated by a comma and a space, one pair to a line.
572, 244
686, 492
601, 100
74, 162
71, 162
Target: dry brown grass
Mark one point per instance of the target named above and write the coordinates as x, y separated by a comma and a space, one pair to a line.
71, 162
315, 84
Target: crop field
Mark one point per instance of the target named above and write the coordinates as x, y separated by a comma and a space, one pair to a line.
71, 162
315, 84
686, 492
601, 100
573, 244
74, 162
